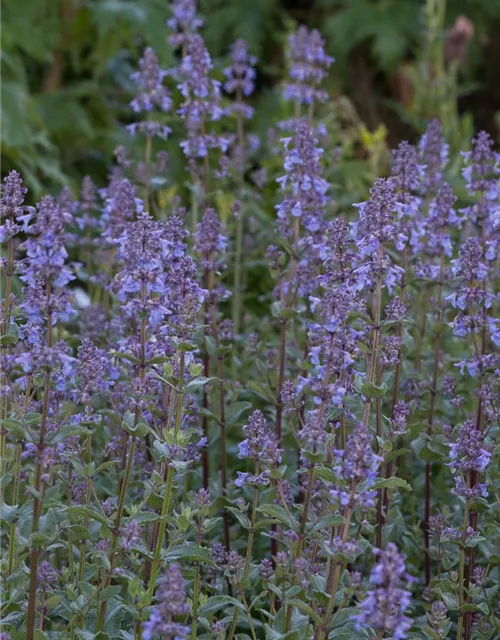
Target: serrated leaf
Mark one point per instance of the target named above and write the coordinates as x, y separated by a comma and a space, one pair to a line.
198, 382
278, 512
8, 513
215, 603
15, 427
236, 409
371, 390
307, 609
189, 551
323, 473
110, 592
391, 483
242, 518
330, 520
392, 455
86, 511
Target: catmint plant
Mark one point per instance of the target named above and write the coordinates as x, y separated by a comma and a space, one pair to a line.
315, 458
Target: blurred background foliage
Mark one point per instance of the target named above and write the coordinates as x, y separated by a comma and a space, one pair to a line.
66, 68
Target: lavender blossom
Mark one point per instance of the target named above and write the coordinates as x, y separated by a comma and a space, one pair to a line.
131, 536
438, 618
399, 418
149, 80
12, 206
313, 436
378, 226
44, 269
171, 604
210, 242
202, 101
433, 155
240, 78
406, 177
467, 453
184, 22
151, 93
121, 207
47, 577
259, 443
91, 372
304, 187
308, 67
144, 253
384, 606
358, 460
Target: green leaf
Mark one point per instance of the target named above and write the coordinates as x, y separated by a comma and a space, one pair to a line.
198, 382
330, 520
313, 458
110, 592
15, 427
86, 511
450, 600
8, 513
371, 390
189, 551
470, 607
325, 474
70, 430
236, 409
278, 512
215, 603
391, 483
427, 454
392, 455
125, 356
305, 608
242, 518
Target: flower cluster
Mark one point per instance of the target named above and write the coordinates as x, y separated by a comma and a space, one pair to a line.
385, 604
303, 185
308, 67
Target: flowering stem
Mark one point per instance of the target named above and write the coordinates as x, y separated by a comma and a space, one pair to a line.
196, 592
251, 533
239, 224
168, 489
81, 573
37, 504
222, 421
128, 469
116, 530
430, 420
147, 165
336, 569
479, 425
70, 535
382, 513
15, 499
206, 373
373, 365
283, 328
249, 616
300, 542
4, 405
461, 569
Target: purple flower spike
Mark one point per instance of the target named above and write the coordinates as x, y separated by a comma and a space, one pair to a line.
171, 604
149, 79
385, 604
309, 66
183, 22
